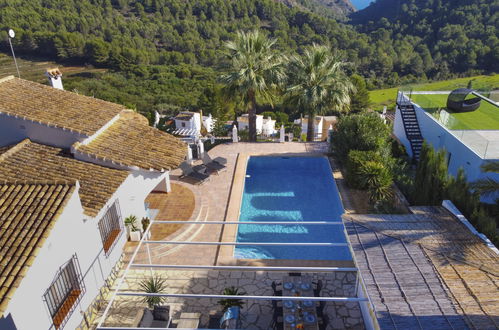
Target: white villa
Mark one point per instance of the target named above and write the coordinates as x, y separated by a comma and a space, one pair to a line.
189, 124
72, 168
321, 125
466, 148
264, 126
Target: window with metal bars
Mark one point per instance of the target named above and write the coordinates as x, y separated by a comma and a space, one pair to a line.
64, 293
110, 226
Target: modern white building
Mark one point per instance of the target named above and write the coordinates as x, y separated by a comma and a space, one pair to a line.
321, 125
71, 169
466, 148
264, 126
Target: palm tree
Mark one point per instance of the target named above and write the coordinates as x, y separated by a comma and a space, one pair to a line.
488, 186
317, 84
256, 71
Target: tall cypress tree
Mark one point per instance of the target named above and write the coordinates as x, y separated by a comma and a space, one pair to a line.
431, 177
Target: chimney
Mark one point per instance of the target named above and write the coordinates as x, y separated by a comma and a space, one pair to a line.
55, 78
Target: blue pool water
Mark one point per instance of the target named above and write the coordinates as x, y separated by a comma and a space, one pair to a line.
290, 189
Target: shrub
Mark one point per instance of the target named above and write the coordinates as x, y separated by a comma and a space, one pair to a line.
227, 303
431, 177
295, 129
356, 159
153, 285
458, 191
398, 149
219, 128
366, 132
485, 224
377, 179
243, 135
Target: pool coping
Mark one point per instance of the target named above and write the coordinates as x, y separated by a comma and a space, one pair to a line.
229, 233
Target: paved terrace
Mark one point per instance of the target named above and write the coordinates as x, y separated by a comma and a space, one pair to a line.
426, 270
211, 200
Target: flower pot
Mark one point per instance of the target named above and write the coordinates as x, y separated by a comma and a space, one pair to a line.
135, 236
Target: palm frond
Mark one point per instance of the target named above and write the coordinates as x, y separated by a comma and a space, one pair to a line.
486, 187
490, 167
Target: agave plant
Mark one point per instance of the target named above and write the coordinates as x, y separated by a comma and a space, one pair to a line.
131, 222
227, 303
154, 284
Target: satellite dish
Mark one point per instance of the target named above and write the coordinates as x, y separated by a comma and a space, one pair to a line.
12, 34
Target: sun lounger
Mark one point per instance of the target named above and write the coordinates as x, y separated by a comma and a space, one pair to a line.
213, 165
189, 172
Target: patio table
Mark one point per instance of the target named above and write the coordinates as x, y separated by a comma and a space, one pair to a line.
188, 320
302, 311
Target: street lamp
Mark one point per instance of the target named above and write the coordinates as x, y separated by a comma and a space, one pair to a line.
12, 34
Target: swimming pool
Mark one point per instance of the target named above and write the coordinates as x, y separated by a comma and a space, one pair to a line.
290, 189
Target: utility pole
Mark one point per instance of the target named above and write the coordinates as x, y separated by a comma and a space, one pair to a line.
12, 34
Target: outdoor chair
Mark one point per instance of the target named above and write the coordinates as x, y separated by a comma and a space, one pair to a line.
318, 288
323, 322
213, 165
189, 172
231, 319
320, 309
277, 309
219, 160
276, 323
159, 317
274, 288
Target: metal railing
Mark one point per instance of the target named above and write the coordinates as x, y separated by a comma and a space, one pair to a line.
484, 143
118, 292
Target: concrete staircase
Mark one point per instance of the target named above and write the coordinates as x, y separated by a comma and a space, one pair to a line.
411, 127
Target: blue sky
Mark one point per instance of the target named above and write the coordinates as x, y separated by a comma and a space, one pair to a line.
360, 4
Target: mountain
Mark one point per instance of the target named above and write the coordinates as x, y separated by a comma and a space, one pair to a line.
167, 54
460, 34
328, 8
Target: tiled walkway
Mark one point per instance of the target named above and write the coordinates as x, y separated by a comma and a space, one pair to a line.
256, 315
467, 268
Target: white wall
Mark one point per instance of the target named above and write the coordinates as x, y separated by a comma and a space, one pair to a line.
460, 154
13, 130
134, 190
71, 234
76, 233
268, 127
193, 123
244, 124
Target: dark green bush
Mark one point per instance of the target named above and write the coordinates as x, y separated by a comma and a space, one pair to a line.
356, 159
366, 132
484, 224
377, 179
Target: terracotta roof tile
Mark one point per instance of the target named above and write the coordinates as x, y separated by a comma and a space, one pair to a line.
28, 211
185, 115
51, 106
132, 142
32, 161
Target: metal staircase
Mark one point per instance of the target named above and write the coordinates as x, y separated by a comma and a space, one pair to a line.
411, 126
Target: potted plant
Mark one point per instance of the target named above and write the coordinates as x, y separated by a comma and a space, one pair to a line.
153, 284
133, 230
227, 303
145, 223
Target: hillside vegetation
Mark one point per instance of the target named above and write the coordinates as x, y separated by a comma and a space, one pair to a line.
167, 54
449, 36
